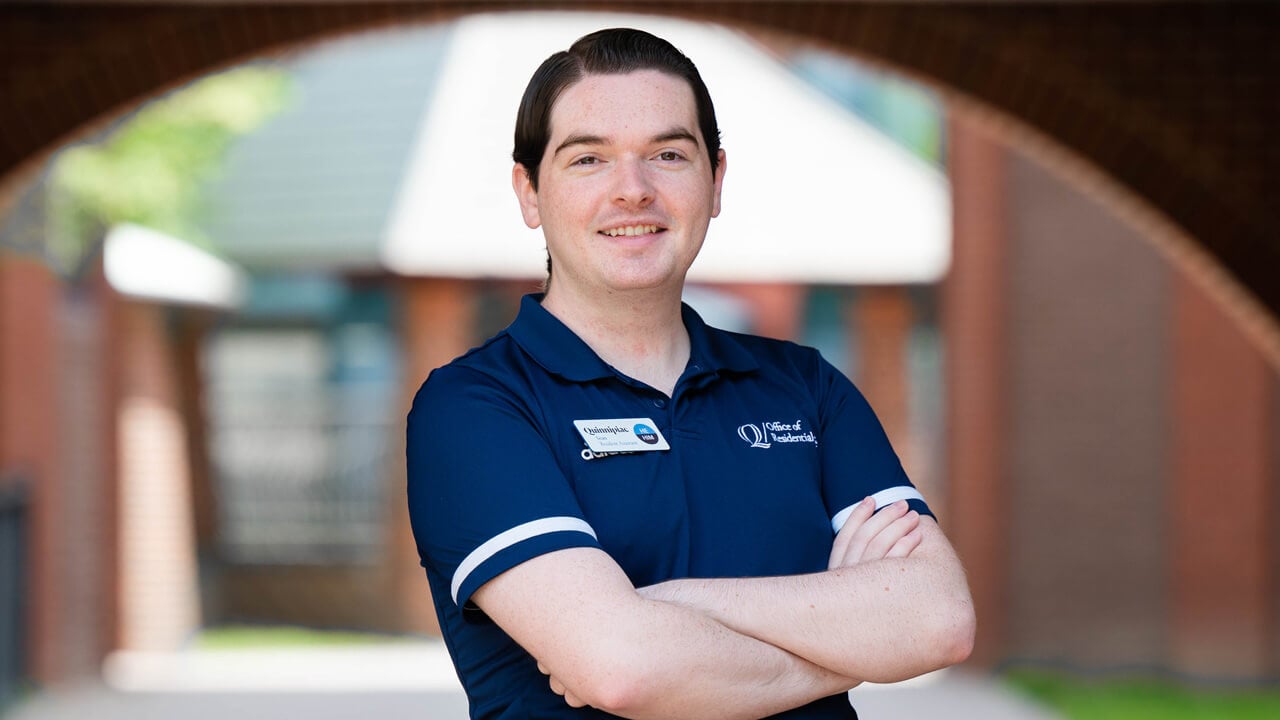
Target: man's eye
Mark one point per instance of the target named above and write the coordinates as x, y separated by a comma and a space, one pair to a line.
587, 160
670, 156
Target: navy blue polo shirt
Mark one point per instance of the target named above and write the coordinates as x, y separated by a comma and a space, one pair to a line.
500, 471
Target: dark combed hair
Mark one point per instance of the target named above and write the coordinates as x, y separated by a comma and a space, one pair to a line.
612, 51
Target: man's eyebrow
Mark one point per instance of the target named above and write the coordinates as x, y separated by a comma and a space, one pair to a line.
676, 134
579, 140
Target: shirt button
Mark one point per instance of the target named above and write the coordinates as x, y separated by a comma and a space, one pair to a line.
660, 403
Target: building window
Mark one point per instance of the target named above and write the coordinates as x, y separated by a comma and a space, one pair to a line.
300, 431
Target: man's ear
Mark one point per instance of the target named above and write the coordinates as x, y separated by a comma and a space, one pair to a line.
718, 182
528, 197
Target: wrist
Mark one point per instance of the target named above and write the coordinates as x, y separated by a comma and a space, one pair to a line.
701, 595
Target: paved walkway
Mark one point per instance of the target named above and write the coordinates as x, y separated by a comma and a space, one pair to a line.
400, 681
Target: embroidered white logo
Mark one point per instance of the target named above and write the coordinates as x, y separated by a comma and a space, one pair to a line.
753, 435
765, 434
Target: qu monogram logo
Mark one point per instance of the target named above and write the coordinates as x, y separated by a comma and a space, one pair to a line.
753, 435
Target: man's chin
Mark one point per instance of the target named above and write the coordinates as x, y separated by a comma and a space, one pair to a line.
641, 283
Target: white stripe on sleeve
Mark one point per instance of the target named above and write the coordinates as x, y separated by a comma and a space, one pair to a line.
508, 538
888, 496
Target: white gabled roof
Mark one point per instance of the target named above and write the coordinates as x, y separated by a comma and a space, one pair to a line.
147, 264
812, 193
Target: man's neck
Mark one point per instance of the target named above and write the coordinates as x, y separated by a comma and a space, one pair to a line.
640, 333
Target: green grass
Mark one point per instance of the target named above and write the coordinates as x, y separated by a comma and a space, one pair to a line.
1143, 699
238, 637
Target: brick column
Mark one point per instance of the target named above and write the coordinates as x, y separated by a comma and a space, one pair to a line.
86, 524
974, 324
112, 347
29, 301
159, 605
1224, 568
439, 317
192, 328
777, 309
881, 319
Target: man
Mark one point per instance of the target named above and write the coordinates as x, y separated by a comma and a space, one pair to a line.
624, 511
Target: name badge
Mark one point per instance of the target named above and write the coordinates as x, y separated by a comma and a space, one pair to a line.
621, 435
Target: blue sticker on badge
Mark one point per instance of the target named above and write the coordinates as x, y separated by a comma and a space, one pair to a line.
647, 435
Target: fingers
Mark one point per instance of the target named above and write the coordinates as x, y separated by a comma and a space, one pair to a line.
840, 548
869, 535
868, 530
907, 544
884, 541
558, 688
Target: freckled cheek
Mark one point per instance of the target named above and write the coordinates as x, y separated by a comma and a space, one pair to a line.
693, 183
570, 208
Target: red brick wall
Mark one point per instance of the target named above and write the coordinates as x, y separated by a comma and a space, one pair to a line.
29, 307
1113, 433
975, 326
1088, 434
1223, 564
86, 450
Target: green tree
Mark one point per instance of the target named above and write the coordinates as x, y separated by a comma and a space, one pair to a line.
153, 169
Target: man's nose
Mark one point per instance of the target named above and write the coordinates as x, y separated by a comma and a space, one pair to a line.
633, 184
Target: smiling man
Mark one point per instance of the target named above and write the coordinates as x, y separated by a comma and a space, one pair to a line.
623, 511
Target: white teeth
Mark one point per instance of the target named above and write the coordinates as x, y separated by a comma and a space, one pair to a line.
631, 230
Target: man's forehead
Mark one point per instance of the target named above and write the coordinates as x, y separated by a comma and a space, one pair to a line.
649, 86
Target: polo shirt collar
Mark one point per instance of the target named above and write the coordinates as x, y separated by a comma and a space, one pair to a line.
553, 345
558, 350
715, 350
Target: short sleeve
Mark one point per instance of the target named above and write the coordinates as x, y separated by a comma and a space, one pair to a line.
485, 492
857, 459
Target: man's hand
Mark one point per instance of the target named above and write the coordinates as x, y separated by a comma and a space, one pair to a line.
558, 688
869, 535
893, 604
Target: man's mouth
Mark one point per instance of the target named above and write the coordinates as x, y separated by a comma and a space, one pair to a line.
631, 230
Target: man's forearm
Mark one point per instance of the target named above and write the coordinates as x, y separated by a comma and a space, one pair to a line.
578, 615
694, 666
883, 621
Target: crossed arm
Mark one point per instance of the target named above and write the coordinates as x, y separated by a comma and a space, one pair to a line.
741, 648
877, 614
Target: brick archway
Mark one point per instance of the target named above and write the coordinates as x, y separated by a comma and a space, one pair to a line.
1167, 106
